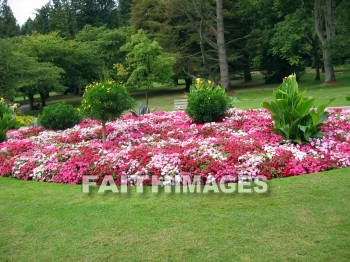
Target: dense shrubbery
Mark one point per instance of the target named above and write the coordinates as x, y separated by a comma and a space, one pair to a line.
7, 119
105, 101
292, 114
59, 116
207, 103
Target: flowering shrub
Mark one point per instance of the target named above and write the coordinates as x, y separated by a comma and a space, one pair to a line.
171, 146
7, 119
292, 114
105, 101
207, 103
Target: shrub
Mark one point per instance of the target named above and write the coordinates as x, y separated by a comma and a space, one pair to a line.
207, 103
292, 112
105, 101
7, 119
59, 116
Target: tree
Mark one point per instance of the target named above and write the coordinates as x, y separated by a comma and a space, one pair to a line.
105, 101
341, 44
221, 45
124, 10
41, 20
95, 13
264, 33
8, 23
325, 29
27, 27
146, 63
294, 38
63, 18
10, 64
78, 60
41, 78
21, 72
106, 44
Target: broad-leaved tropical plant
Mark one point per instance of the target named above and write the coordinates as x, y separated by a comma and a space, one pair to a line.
294, 114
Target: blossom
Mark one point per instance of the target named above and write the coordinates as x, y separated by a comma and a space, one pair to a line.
171, 147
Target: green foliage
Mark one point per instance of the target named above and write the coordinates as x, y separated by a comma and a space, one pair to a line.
105, 101
292, 112
207, 103
7, 119
8, 23
27, 121
59, 116
106, 44
347, 98
146, 63
79, 60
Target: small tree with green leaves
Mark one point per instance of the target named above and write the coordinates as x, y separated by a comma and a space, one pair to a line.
105, 101
145, 64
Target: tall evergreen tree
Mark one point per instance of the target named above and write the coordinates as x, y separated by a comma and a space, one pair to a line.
41, 20
27, 27
94, 12
62, 18
8, 22
124, 11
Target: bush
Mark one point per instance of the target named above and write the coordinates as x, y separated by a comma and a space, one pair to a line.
207, 103
292, 114
59, 116
105, 101
7, 119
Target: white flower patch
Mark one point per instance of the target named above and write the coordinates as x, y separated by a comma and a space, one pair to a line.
167, 164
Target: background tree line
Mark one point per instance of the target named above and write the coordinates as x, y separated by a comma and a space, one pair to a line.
70, 43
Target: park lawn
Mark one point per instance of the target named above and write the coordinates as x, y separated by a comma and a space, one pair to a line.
301, 218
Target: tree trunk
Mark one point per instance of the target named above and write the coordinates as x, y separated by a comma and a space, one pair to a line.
325, 29
104, 131
246, 68
188, 84
317, 62
42, 98
224, 73
146, 93
31, 101
203, 52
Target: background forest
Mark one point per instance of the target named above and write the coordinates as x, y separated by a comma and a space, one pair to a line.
71, 43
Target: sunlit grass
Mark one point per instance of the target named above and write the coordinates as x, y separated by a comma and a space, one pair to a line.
301, 218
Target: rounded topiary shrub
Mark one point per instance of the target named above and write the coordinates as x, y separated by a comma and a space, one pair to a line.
207, 103
59, 116
105, 101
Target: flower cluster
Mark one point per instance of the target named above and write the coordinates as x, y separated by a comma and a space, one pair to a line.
171, 146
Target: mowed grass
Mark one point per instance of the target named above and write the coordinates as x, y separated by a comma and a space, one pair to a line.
303, 218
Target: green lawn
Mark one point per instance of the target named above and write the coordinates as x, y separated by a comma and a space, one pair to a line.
301, 218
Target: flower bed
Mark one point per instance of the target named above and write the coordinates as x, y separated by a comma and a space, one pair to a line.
166, 144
